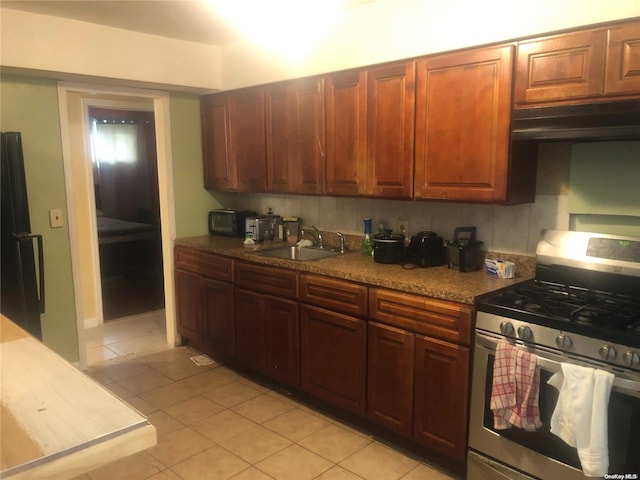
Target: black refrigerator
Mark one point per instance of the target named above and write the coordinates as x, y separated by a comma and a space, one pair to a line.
21, 285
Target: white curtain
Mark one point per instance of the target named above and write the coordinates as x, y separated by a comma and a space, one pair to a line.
114, 143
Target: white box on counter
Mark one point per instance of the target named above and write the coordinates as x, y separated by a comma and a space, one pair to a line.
501, 268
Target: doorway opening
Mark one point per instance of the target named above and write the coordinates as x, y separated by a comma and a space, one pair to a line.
127, 206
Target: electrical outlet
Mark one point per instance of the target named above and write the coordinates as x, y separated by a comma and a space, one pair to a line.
55, 218
402, 226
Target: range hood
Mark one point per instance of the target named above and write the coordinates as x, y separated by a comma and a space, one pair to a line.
614, 120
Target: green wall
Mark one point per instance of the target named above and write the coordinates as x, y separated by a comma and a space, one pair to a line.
30, 106
192, 201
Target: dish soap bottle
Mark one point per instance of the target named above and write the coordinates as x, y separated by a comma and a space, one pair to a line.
367, 244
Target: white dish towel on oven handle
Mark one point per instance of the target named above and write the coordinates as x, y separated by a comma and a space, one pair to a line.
580, 416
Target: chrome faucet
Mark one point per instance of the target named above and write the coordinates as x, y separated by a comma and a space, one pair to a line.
341, 237
317, 236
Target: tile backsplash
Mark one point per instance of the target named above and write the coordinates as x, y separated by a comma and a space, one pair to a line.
507, 229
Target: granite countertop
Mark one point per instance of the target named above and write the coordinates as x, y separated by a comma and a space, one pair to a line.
437, 282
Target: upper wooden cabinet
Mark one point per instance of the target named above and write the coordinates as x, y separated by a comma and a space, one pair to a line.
573, 66
623, 57
295, 136
370, 131
463, 114
390, 130
233, 140
346, 122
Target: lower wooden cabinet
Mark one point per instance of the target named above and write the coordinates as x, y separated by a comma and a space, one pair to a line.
441, 396
250, 330
390, 378
204, 302
219, 328
189, 305
282, 338
400, 360
267, 325
334, 357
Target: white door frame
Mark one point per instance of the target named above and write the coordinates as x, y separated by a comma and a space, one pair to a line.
96, 95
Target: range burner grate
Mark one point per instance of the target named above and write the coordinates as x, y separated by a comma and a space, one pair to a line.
576, 306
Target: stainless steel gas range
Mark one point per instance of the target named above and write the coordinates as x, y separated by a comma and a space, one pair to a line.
583, 308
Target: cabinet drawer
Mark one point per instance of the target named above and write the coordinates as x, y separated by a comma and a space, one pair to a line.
279, 282
423, 315
333, 294
207, 264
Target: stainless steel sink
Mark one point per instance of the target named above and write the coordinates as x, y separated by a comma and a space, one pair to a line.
297, 253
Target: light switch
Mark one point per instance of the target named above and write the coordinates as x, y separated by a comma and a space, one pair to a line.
55, 218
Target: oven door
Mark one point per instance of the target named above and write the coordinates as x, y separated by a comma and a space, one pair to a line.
542, 454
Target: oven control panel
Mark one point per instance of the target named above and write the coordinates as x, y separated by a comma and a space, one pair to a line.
569, 343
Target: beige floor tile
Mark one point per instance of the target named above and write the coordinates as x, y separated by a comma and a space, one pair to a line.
255, 444
182, 368
167, 357
423, 471
204, 382
144, 382
227, 372
296, 424
164, 423
263, 408
251, 473
135, 467
164, 475
378, 462
193, 409
119, 390
223, 425
339, 473
139, 346
99, 355
141, 405
232, 394
335, 443
294, 463
122, 370
179, 445
214, 463
168, 395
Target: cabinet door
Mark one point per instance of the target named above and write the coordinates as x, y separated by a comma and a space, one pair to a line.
390, 130
462, 125
234, 141
390, 378
250, 331
280, 175
623, 60
189, 305
441, 396
219, 319
295, 136
346, 110
333, 348
561, 67
282, 340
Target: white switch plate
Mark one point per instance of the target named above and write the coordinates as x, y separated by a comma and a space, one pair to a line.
55, 218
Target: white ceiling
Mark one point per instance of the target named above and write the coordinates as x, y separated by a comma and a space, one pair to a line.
191, 20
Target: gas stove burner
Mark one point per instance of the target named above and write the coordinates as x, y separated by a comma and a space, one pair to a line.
532, 307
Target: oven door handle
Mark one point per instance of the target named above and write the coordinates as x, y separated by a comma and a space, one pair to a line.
624, 385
